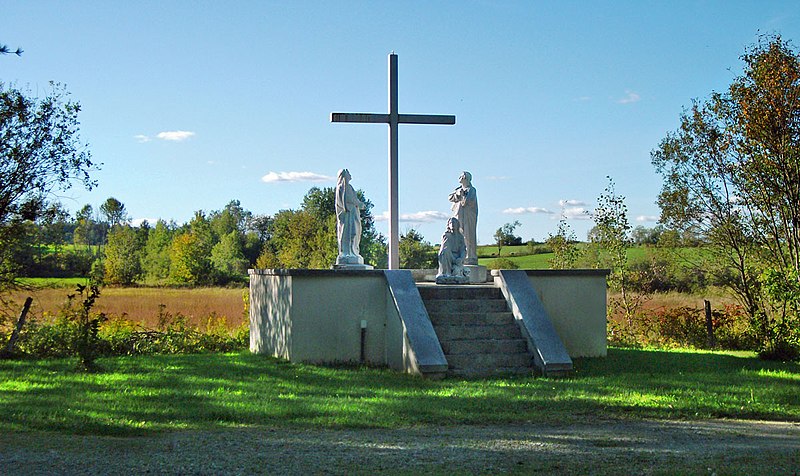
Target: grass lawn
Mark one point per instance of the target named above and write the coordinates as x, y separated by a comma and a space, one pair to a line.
146, 394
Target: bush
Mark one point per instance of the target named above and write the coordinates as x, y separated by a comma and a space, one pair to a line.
502, 263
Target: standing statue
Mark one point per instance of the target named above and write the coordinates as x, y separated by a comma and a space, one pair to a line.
465, 208
348, 221
451, 255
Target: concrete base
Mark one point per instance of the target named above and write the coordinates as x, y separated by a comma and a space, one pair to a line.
477, 273
352, 266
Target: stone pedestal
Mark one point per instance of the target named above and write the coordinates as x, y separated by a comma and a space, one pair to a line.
477, 273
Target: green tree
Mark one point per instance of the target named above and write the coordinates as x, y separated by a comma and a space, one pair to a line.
415, 252
189, 263
732, 172
227, 257
40, 153
156, 253
122, 256
504, 236
114, 212
563, 245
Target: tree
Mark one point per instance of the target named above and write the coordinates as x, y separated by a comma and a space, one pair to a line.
114, 211
5, 50
505, 236
227, 257
611, 237
415, 252
565, 253
732, 172
40, 152
122, 256
156, 253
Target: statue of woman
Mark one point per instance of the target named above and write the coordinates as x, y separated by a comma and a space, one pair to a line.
348, 220
465, 208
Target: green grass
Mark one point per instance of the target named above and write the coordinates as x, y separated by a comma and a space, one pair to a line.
53, 283
139, 395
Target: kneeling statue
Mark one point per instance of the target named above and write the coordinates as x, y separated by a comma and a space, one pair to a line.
451, 256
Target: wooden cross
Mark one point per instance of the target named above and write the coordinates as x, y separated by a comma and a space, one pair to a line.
394, 119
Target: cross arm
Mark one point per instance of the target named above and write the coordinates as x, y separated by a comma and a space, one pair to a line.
426, 119
359, 117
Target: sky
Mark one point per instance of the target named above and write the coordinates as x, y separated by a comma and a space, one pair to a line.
191, 104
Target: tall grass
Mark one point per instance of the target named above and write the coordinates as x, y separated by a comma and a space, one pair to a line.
137, 395
143, 305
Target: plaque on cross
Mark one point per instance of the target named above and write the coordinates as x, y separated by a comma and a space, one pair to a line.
394, 119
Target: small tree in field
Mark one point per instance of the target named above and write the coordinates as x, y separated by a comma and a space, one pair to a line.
505, 235
565, 252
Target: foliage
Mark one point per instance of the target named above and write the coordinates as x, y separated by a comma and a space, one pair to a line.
415, 252
731, 171
505, 236
40, 153
122, 256
563, 246
502, 263
114, 212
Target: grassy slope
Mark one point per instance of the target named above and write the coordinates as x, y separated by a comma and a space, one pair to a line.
137, 395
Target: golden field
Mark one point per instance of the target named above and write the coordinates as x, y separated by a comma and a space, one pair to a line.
142, 304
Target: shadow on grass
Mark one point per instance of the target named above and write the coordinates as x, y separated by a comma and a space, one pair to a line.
138, 395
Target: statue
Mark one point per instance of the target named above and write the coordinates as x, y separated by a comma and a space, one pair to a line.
451, 256
348, 221
465, 208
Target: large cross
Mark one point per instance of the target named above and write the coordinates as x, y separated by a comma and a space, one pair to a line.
394, 119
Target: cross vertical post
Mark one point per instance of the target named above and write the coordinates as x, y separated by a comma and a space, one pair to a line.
394, 119
394, 220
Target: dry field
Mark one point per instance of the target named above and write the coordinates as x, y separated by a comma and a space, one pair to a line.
142, 304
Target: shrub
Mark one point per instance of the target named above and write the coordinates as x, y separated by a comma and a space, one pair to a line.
502, 263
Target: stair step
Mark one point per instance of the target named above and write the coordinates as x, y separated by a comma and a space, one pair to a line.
466, 305
431, 292
483, 346
461, 332
472, 319
488, 361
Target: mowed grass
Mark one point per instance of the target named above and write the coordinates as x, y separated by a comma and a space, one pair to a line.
146, 394
143, 304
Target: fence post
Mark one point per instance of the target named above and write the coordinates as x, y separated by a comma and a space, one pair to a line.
711, 340
14, 335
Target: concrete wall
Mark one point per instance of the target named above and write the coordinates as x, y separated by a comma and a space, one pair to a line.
576, 303
315, 315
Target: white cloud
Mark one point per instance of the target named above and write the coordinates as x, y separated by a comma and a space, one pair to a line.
571, 203
274, 177
428, 216
141, 138
647, 218
576, 213
175, 136
527, 210
630, 97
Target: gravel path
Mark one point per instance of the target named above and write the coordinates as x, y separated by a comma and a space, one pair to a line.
608, 447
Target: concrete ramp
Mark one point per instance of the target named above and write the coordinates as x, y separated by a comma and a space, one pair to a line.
422, 352
549, 354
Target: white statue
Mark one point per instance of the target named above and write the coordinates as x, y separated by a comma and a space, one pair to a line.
465, 208
348, 221
451, 256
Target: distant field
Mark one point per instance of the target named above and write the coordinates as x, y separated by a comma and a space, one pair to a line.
142, 304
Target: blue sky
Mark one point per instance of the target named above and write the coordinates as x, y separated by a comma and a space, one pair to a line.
189, 105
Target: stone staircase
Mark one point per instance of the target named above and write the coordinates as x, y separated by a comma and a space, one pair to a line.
476, 330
